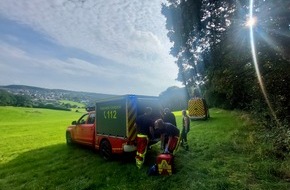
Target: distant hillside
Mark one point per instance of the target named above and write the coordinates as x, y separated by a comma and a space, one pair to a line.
173, 97
55, 94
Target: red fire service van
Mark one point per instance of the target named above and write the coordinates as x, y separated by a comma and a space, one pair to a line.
110, 127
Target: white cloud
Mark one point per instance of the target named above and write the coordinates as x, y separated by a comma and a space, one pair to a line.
107, 28
129, 32
6, 49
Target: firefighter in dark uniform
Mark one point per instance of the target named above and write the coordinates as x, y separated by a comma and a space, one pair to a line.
169, 117
169, 130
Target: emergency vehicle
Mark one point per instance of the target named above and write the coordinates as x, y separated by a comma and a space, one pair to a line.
197, 109
110, 127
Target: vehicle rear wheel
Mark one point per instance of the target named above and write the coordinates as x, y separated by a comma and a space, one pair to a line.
68, 138
106, 150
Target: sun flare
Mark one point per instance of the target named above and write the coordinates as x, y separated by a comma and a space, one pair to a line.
251, 22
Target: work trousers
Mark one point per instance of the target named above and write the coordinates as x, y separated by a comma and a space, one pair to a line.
173, 146
142, 143
184, 139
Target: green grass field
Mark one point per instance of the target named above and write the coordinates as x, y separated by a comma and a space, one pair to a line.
224, 153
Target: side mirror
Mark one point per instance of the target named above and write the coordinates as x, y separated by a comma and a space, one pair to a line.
74, 123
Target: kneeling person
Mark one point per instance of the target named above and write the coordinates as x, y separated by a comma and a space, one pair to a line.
169, 130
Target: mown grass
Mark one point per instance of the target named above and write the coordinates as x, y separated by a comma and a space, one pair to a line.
224, 153
25, 129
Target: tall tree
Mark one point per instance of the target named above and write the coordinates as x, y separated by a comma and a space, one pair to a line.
213, 51
174, 98
194, 26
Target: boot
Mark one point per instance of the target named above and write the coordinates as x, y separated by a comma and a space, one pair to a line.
182, 144
185, 145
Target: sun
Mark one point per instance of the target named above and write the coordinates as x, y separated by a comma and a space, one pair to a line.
251, 22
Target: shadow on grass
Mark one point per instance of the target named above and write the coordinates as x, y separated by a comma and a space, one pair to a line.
64, 153
68, 167
61, 166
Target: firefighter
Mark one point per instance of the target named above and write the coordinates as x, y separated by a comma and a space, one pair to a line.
169, 117
145, 130
185, 129
167, 129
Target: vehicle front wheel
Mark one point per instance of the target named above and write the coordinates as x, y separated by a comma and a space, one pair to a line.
106, 150
68, 138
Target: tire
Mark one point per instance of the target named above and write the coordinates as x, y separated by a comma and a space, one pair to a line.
106, 150
69, 140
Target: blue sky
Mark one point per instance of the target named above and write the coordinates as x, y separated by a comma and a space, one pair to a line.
112, 47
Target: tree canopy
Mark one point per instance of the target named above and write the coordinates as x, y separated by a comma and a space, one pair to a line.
212, 44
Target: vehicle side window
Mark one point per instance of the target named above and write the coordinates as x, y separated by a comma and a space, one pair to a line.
83, 119
91, 119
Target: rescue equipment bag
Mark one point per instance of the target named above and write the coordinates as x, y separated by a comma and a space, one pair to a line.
165, 164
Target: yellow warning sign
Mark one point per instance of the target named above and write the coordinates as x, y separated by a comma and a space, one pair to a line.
164, 166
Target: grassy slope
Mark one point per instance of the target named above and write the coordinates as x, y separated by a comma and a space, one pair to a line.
25, 129
224, 154
80, 106
72, 103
